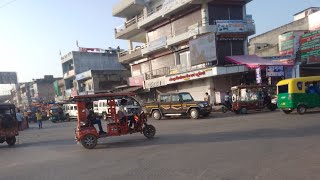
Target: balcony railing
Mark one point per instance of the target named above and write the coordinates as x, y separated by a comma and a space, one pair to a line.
129, 23
157, 73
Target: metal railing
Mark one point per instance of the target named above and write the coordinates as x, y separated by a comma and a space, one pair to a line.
129, 23
157, 73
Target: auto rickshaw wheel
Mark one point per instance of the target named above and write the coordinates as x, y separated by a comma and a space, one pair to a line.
272, 107
302, 109
156, 114
287, 111
11, 141
244, 110
149, 131
89, 141
194, 113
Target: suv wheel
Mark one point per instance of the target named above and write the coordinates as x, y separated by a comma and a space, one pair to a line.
194, 113
156, 115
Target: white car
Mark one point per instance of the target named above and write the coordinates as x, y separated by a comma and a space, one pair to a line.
101, 107
71, 110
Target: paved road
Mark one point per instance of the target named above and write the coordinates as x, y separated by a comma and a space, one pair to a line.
260, 146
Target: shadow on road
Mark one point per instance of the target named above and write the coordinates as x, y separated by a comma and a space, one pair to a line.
216, 137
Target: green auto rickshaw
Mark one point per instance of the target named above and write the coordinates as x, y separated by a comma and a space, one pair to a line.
299, 93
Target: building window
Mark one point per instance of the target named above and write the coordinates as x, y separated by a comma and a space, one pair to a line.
229, 48
184, 59
225, 12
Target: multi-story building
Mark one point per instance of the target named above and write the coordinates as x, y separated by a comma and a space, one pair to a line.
182, 44
25, 93
284, 42
77, 67
43, 89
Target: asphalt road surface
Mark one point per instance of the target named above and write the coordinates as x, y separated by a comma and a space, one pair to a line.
259, 146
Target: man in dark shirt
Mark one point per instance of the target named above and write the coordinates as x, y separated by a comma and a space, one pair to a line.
92, 118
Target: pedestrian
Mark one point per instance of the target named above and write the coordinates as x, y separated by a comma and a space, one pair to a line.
19, 117
207, 98
39, 118
25, 116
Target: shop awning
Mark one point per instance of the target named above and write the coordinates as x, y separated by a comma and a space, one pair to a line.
132, 89
254, 61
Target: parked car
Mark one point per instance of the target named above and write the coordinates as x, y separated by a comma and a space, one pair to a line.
177, 104
70, 110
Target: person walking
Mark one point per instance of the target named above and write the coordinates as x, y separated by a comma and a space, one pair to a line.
19, 117
39, 118
207, 98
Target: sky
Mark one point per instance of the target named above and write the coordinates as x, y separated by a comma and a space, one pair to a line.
33, 32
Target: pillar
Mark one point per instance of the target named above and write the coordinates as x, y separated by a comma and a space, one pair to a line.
204, 14
130, 45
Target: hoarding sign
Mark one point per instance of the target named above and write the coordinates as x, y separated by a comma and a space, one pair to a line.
190, 76
153, 83
136, 81
310, 47
275, 71
258, 76
231, 37
230, 26
157, 44
203, 49
83, 75
289, 42
8, 78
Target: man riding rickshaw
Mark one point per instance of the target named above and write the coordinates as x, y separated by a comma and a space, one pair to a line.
118, 124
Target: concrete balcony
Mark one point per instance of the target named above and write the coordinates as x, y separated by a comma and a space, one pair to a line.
155, 46
69, 74
175, 6
129, 29
152, 17
163, 11
128, 8
127, 57
187, 33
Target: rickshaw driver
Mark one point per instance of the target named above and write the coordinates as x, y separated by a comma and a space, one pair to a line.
123, 114
93, 119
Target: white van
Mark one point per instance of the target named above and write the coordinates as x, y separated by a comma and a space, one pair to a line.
71, 110
101, 107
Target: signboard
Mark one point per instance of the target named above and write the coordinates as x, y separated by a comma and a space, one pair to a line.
157, 44
8, 78
203, 49
275, 71
83, 75
136, 81
314, 21
287, 59
231, 37
190, 76
258, 76
230, 26
153, 83
310, 47
289, 42
288, 72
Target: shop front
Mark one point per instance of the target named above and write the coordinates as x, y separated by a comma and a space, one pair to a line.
269, 70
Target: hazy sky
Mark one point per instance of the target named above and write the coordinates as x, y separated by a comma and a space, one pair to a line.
32, 32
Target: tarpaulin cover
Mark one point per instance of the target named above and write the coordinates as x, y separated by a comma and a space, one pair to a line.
254, 61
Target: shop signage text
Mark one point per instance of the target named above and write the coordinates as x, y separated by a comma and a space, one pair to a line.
190, 76
136, 81
275, 71
230, 26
